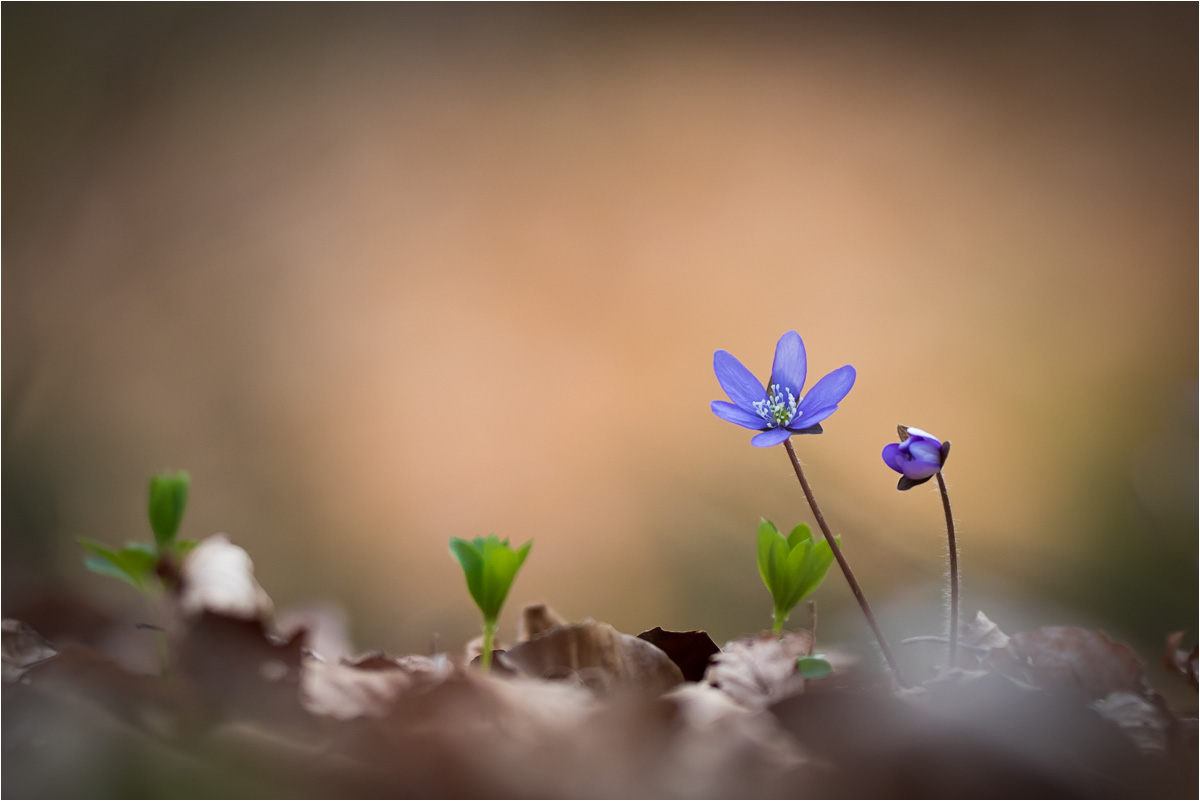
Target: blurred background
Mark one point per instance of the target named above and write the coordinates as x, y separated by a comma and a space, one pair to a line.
383, 275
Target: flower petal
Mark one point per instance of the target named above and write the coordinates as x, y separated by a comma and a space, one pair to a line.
736, 414
810, 419
892, 457
791, 364
920, 471
925, 451
829, 391
739, 383
916, 432
768, 438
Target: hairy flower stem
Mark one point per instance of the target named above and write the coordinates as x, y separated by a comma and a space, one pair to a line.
841, 560
489, 640
953, 572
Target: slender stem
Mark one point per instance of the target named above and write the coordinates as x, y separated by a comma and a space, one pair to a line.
841, 560
489, 639
953, 572
160, 633
780, 619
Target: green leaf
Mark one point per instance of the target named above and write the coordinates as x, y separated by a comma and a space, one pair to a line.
490, 566
137, 560
184, 547
801, 533
168, 499
813, 667
98, 564
791, 567
132, 564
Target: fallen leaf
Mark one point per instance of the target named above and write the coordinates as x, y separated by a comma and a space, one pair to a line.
326, 628
218, 576
598, 655
367, 688
983, 633
1144, 723
23, 648
1178, 660
537, 618
1071, 659
690, 650
241, 671
760, 670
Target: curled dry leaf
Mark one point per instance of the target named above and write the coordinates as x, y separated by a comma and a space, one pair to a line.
1071, 659
690, 650
1178, 660
366, 688
23, 648
983, 633
1147, 725
537, 618
599, 656
758, 671
218, 576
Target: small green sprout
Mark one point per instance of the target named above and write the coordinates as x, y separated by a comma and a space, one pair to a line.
490, 565
791, 567
139, 563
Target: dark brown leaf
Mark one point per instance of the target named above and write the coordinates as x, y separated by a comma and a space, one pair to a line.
690, 650
599, 656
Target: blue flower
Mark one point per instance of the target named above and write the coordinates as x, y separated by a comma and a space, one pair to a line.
778, 410
917, 457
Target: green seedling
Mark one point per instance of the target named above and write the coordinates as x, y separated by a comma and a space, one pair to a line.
140, 564
490, 565
791, 567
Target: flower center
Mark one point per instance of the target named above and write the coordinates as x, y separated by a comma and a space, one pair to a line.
775, 409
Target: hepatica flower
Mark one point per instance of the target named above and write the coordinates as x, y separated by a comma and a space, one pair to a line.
917, 457
779, 409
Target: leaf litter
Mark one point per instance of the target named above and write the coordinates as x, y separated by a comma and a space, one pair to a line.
253, 707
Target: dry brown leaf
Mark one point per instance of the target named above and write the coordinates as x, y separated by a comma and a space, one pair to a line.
326, 628
983, 633
218, 576
1071, 659
367, 688
758, 671
1147, 725
690, 650
1178, 660
147, 702
537, 618
242, 671
23, 648
598, 655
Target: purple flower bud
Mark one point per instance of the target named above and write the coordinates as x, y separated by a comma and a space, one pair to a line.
917, 458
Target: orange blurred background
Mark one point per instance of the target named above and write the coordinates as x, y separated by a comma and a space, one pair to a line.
383, 275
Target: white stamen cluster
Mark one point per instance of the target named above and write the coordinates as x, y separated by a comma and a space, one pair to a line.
775, 410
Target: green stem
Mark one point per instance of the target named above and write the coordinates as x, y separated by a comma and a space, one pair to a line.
780, 619
953, 571
489, 639
844, 565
